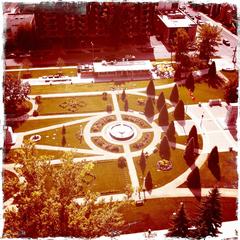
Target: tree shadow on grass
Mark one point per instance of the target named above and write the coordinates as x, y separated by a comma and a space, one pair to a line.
194, 183
215, 170
216, 83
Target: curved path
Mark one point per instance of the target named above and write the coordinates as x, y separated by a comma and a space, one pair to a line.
169, 190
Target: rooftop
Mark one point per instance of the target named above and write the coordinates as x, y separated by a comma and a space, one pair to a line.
18, 19
176, 19
115, 66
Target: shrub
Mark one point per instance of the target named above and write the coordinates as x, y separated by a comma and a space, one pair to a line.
122, 162
104, 96
63, 129
38, 99
148, 181
35, 113
109, 108
63, 141
123, 95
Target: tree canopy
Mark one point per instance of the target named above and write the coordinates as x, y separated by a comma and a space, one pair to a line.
149, 108
164, 148
189, 84
46, 202
179, 112
174, 96
163, 116
15, 92
208, 39
151, 88
160, 101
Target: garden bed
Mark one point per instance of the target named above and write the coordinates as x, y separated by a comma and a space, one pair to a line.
143, 142
102, 143
98, 126
138, 121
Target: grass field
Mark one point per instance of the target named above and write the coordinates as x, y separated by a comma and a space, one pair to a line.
54, 137
160, 178
89, 87
63, 105
38, 123
200, 93
11, 156
228, 172
44, 72
156, 213
110, 179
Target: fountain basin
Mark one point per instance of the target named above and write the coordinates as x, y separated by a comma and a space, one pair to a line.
121, 131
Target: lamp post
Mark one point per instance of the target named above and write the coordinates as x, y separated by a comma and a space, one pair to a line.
234, 59
92, 51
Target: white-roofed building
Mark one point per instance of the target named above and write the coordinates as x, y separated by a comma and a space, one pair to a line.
168, 22
125, 69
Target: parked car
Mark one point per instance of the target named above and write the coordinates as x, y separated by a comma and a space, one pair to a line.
226, 42
198, 17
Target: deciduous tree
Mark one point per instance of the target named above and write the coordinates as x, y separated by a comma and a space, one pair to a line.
208, 39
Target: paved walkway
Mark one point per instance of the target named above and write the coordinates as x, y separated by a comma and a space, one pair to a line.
170, 189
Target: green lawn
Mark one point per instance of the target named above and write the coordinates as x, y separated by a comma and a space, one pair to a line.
183, 140
202, 93
133, 103
110, 179
54, 137
156, 213
23, 126
44, 72
161, 178
64, 88
230, 75
64, 105
11, 156
228, 170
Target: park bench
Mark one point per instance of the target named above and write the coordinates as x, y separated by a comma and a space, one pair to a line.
215, 102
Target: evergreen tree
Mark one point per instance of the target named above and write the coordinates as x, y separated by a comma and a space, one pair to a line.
177, 74
231, 91
174, 96
179, 112
151, 88
149, 108
63, 130
142, 162
63, 141
123, 96
163, 116
170, 133
126, 105
179, 224
189, 84
164, 148
189, 154
148, 181
193, 134
213, 163
209, 219
212, 73
160, 101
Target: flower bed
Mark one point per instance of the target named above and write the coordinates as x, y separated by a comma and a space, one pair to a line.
35, 138
97, 127
102, 143
140, 122
143, 142
164, 165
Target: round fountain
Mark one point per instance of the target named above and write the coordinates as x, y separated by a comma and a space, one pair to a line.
121, 131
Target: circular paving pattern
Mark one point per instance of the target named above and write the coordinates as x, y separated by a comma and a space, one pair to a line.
121, 131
